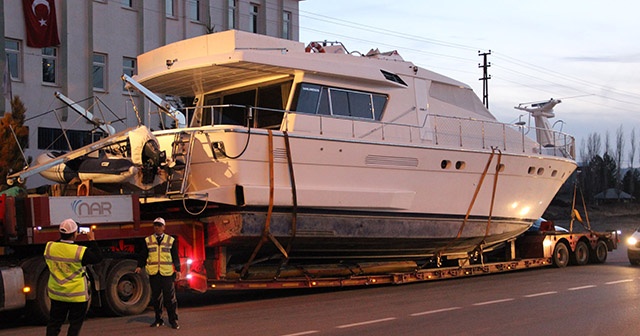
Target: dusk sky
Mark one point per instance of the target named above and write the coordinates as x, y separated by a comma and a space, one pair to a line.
586, 53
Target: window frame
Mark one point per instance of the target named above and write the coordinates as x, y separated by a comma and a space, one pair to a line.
127, 4
287, 16
130, 70
15, 62
194, 11
170, 9
232, 14
104, 66
54, 139
53, 60
254, 18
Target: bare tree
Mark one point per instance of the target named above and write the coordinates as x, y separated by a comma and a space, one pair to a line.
618, 155
594, 144
632, 155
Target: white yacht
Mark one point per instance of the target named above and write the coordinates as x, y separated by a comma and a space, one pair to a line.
328, 154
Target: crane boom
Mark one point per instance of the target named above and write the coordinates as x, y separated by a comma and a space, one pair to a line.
161, 103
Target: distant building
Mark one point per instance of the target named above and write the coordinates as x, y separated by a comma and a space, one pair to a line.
98, 42
612, 195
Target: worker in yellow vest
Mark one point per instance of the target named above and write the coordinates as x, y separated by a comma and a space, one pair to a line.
162, 264
68, 286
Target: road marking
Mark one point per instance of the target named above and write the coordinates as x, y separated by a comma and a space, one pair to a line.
492, 302
365, 323
443, 310
540, 294
303, 333
617, 282
581, 287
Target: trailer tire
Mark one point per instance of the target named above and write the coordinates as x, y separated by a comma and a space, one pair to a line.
126, 292
38, 309
599, 255
560, 255
580, 255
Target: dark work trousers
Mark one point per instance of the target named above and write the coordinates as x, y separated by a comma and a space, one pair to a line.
58, 314
164, 292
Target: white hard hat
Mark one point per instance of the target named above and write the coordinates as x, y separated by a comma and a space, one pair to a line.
68, 226
159, 220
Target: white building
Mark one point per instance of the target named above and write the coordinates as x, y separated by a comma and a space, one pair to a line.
99, 41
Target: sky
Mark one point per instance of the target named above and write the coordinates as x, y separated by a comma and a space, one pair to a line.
584, 52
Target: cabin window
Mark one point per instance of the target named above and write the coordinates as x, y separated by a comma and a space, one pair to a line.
268, 102
339, 102
379, 101
308, 96
317, 99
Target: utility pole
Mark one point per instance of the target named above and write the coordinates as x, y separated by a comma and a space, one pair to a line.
485, 77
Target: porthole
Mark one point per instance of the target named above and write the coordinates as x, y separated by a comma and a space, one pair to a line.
460, 165
445, 164
554, 173
532, 170
540, 171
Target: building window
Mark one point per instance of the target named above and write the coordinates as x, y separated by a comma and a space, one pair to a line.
232, 11
128, 68
286, 25
99, 72
127, 3
194, 9
12, 49
170, 8
49, 58
253, 18
54, 139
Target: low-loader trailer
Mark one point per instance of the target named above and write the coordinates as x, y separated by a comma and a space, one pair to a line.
121, 222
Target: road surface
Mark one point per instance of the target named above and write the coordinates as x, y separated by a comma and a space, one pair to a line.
587, 300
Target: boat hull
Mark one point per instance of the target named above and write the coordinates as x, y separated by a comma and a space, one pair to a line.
349, 175
339, 236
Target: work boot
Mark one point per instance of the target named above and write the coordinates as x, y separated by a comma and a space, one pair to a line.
157, 323
175, 325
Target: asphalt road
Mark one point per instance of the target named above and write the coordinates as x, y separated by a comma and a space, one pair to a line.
587, 300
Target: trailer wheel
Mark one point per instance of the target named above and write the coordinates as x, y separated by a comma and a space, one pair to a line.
39, 307
580, 256
126, 292
561, 255
599, 254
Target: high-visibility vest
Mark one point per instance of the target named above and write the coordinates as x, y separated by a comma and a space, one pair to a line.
159, 259
67, 280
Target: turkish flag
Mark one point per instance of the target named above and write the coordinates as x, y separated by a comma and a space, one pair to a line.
40, 18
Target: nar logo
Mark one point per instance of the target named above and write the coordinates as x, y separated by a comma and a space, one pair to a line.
91, 209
